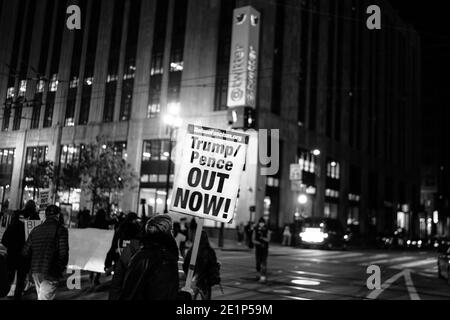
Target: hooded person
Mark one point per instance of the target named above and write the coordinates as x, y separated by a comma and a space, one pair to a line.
47, 248
152, 271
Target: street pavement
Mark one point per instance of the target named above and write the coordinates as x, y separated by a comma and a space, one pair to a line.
305, 274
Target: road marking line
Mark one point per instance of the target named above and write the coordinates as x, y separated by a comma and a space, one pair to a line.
414, 264
375, 257
315, 274
296, 298
384, 261
347, 255
311, 290
409, 285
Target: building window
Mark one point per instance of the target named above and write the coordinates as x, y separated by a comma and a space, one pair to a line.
333, 169
307, 161
36, 112
53, 86
110, 100
18, 114
49, 106
6, 168
126, 100
22, 88
157, 64
155, 150
74, 83
10, 93
36, 155
70, 107
40, 86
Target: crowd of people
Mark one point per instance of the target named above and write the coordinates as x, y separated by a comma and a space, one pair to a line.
143, 257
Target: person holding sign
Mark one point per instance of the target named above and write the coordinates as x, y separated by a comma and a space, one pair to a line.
261, 239
152, 273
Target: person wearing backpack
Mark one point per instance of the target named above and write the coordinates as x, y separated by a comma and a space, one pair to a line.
207, 268
47, 249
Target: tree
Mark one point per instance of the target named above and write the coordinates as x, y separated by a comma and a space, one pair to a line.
103, 171
69, 178
39, 175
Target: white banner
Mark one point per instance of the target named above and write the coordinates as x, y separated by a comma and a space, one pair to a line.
211, 165
88, 249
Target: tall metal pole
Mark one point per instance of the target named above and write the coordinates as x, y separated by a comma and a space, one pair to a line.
169, 167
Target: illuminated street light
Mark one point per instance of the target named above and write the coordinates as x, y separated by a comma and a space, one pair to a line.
302, 199
316, 152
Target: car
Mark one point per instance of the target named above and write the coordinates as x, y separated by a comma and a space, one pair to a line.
444, 266
324, 233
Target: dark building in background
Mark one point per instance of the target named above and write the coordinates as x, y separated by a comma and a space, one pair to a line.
346, 99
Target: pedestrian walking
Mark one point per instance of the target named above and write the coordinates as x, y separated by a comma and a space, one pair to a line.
84, 219
240, 233
261, 239
30, 211
152, 273
207, 268
127, 230
287, 236
128, 243
249, 234
14, 240
47, 249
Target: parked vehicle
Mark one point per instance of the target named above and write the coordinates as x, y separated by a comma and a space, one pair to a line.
444, 265
324, 233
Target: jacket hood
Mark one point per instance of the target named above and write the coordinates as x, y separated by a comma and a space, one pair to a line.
162, 240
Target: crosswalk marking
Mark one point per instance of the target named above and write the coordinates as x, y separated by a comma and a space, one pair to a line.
344, 256
415, 264
387, 261
371, 258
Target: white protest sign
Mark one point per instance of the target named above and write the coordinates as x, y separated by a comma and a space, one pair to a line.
29, 226
44, 199
207, 182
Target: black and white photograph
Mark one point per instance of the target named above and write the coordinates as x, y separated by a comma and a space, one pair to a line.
241, 153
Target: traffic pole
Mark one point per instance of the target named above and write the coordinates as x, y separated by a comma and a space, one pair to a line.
198, 233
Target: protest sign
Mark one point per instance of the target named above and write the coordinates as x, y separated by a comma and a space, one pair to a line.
207, 182
29, 226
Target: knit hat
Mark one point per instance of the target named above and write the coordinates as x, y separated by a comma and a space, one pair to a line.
52, 211
159, 224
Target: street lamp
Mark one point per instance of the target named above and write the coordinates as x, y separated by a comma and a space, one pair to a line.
316, 152
302, 199
173, 121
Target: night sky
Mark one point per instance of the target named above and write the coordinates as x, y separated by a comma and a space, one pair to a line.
430, 19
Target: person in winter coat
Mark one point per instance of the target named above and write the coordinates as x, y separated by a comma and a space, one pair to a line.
128, 243
47, 248
152, 273
128, 230
204, 267
14, 240
30, 211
